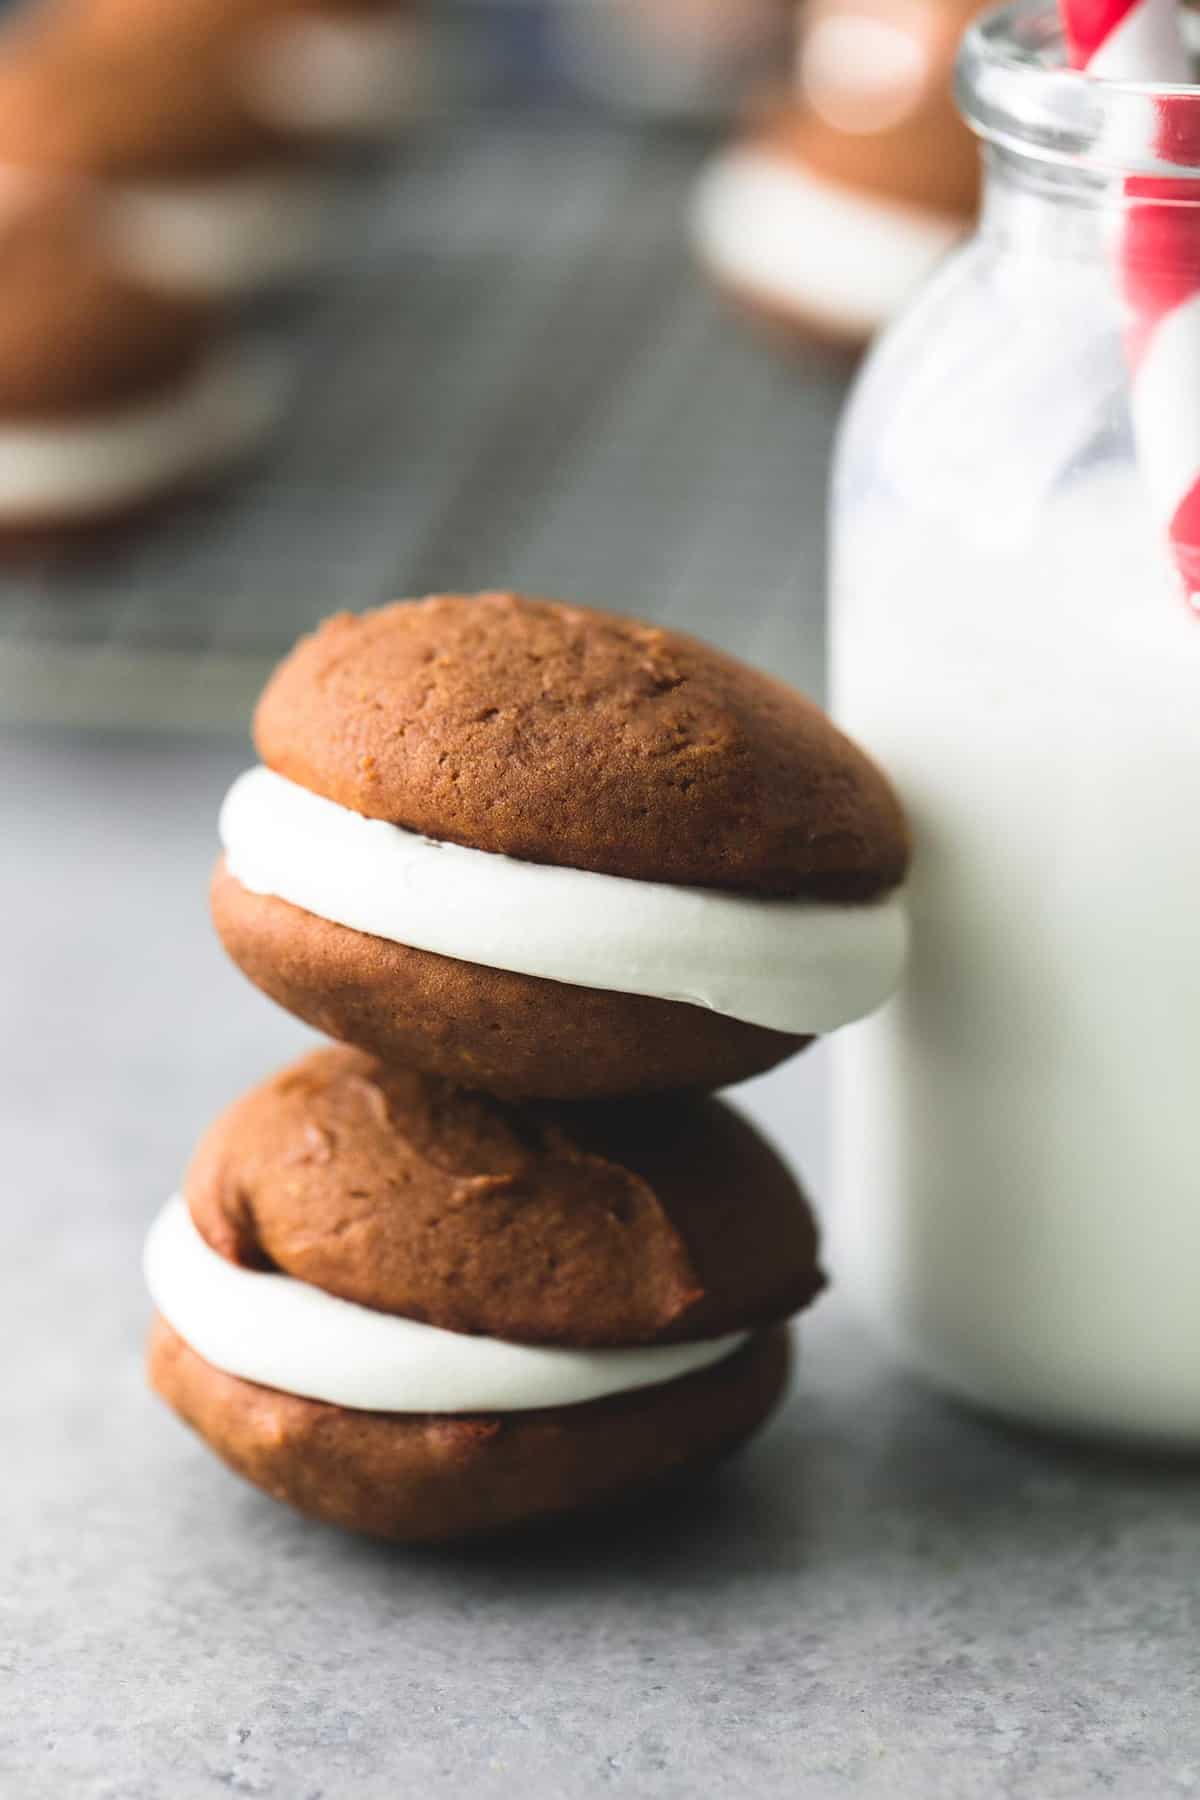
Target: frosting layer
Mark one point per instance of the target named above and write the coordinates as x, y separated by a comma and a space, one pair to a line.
224, 236
282, 1333
769, 226
790, 965
79, 467
336, 75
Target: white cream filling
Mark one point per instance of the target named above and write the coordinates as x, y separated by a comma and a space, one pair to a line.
792, 965
226, 236
283, 1333
327, 75
769, 226
85, 466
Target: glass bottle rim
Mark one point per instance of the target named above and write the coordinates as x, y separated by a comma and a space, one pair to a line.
1015, 90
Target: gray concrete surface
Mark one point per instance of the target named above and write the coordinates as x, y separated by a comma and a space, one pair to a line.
885, 1597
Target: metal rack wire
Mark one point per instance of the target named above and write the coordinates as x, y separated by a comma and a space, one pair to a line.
517, 380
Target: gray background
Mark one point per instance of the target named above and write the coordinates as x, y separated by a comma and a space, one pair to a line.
884, 1596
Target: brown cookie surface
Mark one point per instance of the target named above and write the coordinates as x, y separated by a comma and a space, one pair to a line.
430, 1478
228, 19
928, 160
165, 104
485, 1028
559, 735
77, 337
605, 1225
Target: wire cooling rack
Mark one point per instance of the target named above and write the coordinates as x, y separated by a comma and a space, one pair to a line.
516, 379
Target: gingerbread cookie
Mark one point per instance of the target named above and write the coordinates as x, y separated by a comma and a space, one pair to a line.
438, 1477
322, 70
633, 1222
374, 1273
199, 196
541, 850
111, 395
827, 216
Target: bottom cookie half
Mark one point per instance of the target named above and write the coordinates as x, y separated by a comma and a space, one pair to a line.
429, 1478
509, 1034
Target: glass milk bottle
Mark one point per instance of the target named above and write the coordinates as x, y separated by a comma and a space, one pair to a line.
1017, 1174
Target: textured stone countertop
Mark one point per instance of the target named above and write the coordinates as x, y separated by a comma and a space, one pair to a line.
884, 1597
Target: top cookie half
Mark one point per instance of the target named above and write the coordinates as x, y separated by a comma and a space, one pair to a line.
556, 853
558, 735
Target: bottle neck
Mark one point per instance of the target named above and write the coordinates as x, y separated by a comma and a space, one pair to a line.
1032, 206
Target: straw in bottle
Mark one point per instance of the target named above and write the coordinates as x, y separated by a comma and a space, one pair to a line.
1159, 264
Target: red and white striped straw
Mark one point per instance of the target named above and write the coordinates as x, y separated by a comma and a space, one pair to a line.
1159, 262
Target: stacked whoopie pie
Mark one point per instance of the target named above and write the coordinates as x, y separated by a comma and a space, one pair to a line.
550, 876
209, 130
113, 395
159, 163
829, 212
